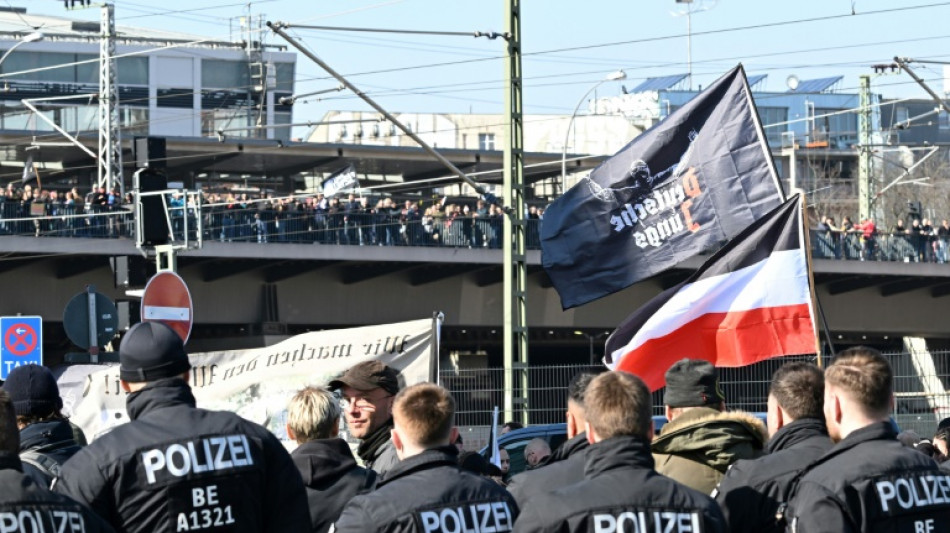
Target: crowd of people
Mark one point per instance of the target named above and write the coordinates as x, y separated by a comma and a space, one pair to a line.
236, 217
828, 458
922, 241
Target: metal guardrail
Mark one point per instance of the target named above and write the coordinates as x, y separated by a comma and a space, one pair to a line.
273, 226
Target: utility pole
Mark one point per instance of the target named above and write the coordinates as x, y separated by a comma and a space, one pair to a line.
110, 147
516, 266
864, 157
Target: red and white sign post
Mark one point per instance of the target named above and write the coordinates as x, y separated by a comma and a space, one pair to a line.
167, 300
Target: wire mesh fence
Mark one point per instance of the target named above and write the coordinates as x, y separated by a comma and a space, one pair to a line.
921, 396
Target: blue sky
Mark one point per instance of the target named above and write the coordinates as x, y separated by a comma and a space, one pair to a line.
568, 45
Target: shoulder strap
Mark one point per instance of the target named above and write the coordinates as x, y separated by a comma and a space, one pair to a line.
41, 461
369, 481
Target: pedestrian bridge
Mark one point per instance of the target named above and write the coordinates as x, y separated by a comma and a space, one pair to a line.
244, 291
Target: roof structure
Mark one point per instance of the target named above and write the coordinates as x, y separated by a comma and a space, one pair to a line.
754, 80
17, 22
662, 83
818, 85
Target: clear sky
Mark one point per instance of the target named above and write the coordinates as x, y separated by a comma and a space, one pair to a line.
568, 45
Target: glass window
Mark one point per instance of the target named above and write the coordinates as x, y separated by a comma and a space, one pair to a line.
285, 77
132, 70
840, 127
88, 72
225, 74
26, 61
486, 141
773, 115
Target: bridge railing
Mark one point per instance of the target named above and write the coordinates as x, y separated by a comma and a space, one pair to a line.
273, 226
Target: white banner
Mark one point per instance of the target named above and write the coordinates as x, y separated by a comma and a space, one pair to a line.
258, 383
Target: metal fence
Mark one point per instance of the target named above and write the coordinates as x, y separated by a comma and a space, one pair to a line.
478, 391
297, 225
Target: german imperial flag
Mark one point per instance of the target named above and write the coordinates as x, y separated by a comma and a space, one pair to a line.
749, 302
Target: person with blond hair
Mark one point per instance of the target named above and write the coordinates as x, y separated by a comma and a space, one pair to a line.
868, 481
326, 463
427, 491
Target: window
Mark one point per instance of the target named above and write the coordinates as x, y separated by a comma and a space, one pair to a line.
486, 141
219, 74
839, 126
901, 114
285, 76
774, 115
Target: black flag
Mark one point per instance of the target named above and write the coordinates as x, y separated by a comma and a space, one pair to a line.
689, 183
29, 171
342, 180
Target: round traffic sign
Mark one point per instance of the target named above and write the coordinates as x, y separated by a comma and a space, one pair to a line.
167, 300
76, 320
20, 339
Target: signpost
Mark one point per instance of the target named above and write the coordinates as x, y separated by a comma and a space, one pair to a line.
167, 300
22, 342
90, 320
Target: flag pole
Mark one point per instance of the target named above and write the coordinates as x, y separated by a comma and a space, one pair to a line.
817, 312
39, 184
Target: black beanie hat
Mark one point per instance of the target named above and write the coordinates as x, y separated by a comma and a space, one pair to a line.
692, 383
151, 351
33, 390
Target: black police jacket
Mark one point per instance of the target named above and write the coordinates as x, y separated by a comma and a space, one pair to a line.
44, 447
564, 467
428, 492
332, 478
621, 492
26, 506
753, 491
869, 482
175, 467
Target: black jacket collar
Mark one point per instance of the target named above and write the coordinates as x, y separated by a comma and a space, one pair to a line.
568, 448
46, 433
798, 431
432, 458
322, 460
169, 392
872, 432
618, 452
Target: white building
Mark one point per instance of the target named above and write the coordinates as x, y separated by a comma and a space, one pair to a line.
169, 84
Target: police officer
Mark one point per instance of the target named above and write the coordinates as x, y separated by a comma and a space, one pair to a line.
621, 491
27, 507
868, 481
426, 491
566, 465
752, 491
175, 467
368, 390
325, 461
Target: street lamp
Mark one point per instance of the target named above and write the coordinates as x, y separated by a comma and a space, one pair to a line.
591, 339
30, 38
613, 76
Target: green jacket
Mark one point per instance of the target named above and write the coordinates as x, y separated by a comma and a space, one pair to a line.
698, 446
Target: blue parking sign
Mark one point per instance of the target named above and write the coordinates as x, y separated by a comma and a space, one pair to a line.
21, 342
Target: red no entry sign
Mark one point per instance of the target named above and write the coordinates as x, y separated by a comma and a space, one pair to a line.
167, 300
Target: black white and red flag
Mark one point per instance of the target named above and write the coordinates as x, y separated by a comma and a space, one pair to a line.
749, 302
688, 184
